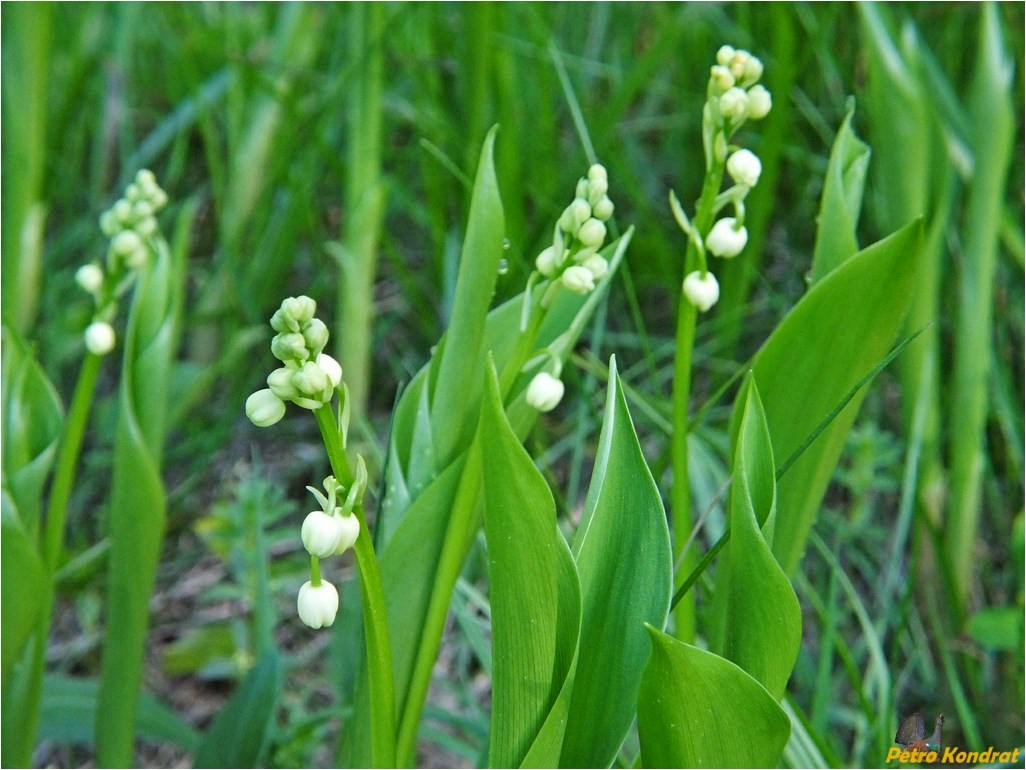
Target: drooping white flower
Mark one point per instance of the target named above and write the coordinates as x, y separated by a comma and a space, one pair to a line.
701, 291
724, 240
321, 533
317, 605
100, 338
545, 392
744, 167
349, 531
263, 408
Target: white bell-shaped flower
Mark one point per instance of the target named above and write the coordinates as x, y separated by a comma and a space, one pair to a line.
744, 168
317, 605
349, 531
100, 338
321, 533
701, 291
331, 367
726, 239
545, 392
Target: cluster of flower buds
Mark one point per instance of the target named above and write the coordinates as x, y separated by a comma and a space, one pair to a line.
734, 82
329, 532
734, 96
573, 258
132, 227
308, 377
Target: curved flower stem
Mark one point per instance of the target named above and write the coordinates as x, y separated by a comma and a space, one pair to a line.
379, 646
680, 499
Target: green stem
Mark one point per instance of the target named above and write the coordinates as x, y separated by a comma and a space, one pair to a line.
680, 500
379, 647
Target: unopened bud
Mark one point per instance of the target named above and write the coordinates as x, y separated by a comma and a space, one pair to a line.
100, 338
331, 367
264, 409
744, 168
701, 291
724, 240
578, 279
546, 262
545, 392
759, 102
592, 233
597, 266
90, 278
734, 104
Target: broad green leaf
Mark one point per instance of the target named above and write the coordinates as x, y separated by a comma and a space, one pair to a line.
241, 734
415, 555
69, 713
842, 200
535, 605
834, 336
697, 709
20, 600
764, 622
137, 509
457, 391
623, 556
32, 424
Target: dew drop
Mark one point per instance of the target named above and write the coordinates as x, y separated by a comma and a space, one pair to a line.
506, 244
503, 266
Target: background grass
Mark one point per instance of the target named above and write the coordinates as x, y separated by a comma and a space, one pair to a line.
244, 111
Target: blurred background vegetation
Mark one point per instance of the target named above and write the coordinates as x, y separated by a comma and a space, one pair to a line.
325, 149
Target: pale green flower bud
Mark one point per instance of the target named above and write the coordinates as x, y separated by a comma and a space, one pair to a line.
310, 379
725, 55
545, 392
321, 533
100, 338
122, 211
316, 335
132, 193
282, 322
158, 199
744, 168
597, 188
567, 223
725, 239
592, 233
738, 63
109, 224
581, 191
722, 80
759, 102
547, 263
137, 258
146, 227
90, 278
603, 209
578, 279
145, 178
289, 347
280, 383
263, 408
300, 308
580, 211
317, 605
126, 242
332, 368
597, 266
349, 531
734, 104
141, 210
596, 172
752, 71
701, 291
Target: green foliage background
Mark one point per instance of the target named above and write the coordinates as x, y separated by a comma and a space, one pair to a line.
245, 113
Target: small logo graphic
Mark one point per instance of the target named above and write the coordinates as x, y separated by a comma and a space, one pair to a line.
912, 733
